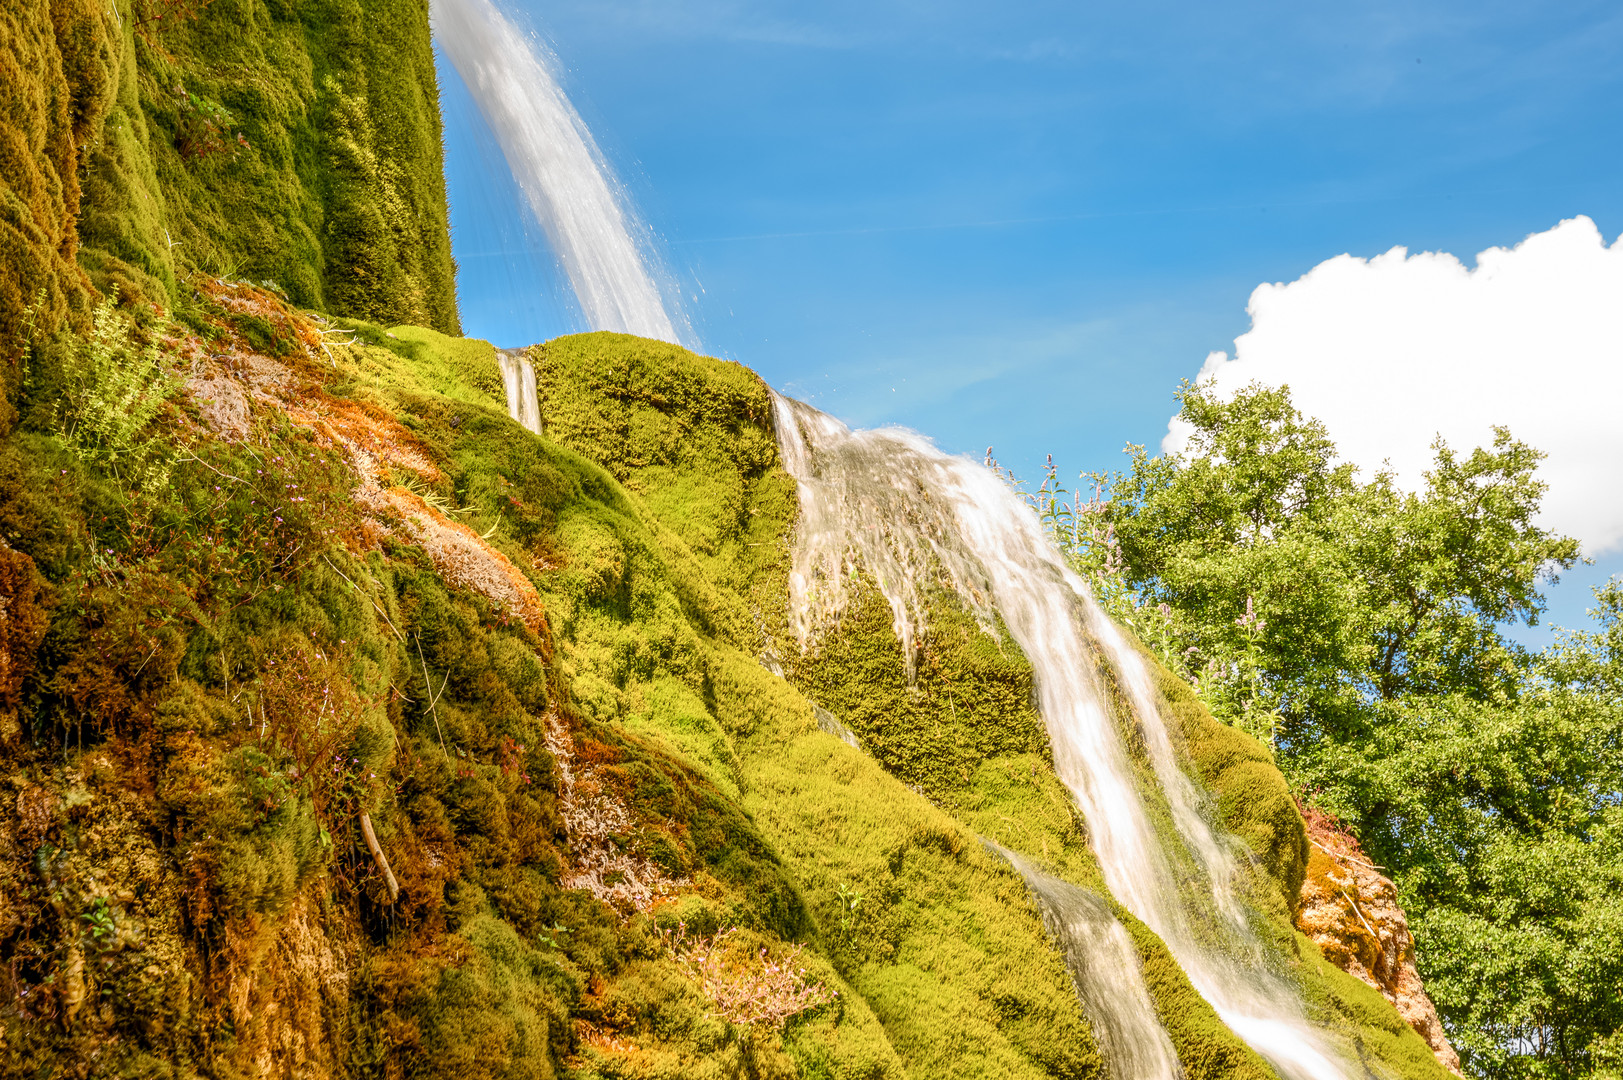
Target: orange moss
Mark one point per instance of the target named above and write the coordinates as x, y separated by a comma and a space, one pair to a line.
366, 428
599, 1039
129, 649
287, 991
372, 439
242, 298
461, 556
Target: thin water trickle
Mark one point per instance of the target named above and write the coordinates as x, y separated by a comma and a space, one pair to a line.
889, 502
830, 723
603, 249
518, 379
1105, 969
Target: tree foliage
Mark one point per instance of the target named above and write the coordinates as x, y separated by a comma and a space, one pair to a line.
1357, 627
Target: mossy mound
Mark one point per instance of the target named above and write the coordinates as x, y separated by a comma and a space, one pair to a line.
965, 731
240, 661
944, 938
968, 704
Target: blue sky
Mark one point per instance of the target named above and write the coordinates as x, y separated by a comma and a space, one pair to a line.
1021, 224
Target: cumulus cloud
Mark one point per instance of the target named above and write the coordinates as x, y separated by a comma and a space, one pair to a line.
1392, 351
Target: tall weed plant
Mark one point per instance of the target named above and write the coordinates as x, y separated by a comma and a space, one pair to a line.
114, 386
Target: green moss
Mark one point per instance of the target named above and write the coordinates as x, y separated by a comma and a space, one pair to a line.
945, 947
334, 192
688, 435
652, 603
1366, 1021
668, 708
463, 369
339, 196
500, 1011
970, 700
1017, 801
54, 77
124, 219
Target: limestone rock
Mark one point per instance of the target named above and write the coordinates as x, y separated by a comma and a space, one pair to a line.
1350, 910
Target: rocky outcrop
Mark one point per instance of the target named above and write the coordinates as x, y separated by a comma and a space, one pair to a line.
1350, 910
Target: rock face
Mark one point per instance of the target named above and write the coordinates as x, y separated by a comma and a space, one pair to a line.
1350, 910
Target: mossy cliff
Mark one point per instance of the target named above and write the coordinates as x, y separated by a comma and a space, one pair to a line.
342, 583
348, 729
290, 142
963, 732
314, 597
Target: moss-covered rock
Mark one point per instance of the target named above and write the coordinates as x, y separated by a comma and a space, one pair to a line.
55, 78
124, 222
288, 657
969, 701
661, 611
298, 144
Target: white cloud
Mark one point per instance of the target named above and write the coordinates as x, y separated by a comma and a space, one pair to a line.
1391, 351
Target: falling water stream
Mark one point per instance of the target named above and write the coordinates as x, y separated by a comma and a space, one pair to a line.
603, 249
1104, 967
518, 379
891, 503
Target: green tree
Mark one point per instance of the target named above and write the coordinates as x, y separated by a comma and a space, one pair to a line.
1366, 593
1501, 824
1357, 627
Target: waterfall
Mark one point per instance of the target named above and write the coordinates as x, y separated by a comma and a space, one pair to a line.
889, 501
518, 379
603, 249
1104, 967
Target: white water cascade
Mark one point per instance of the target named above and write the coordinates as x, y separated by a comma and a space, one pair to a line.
603, 249
889, 501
